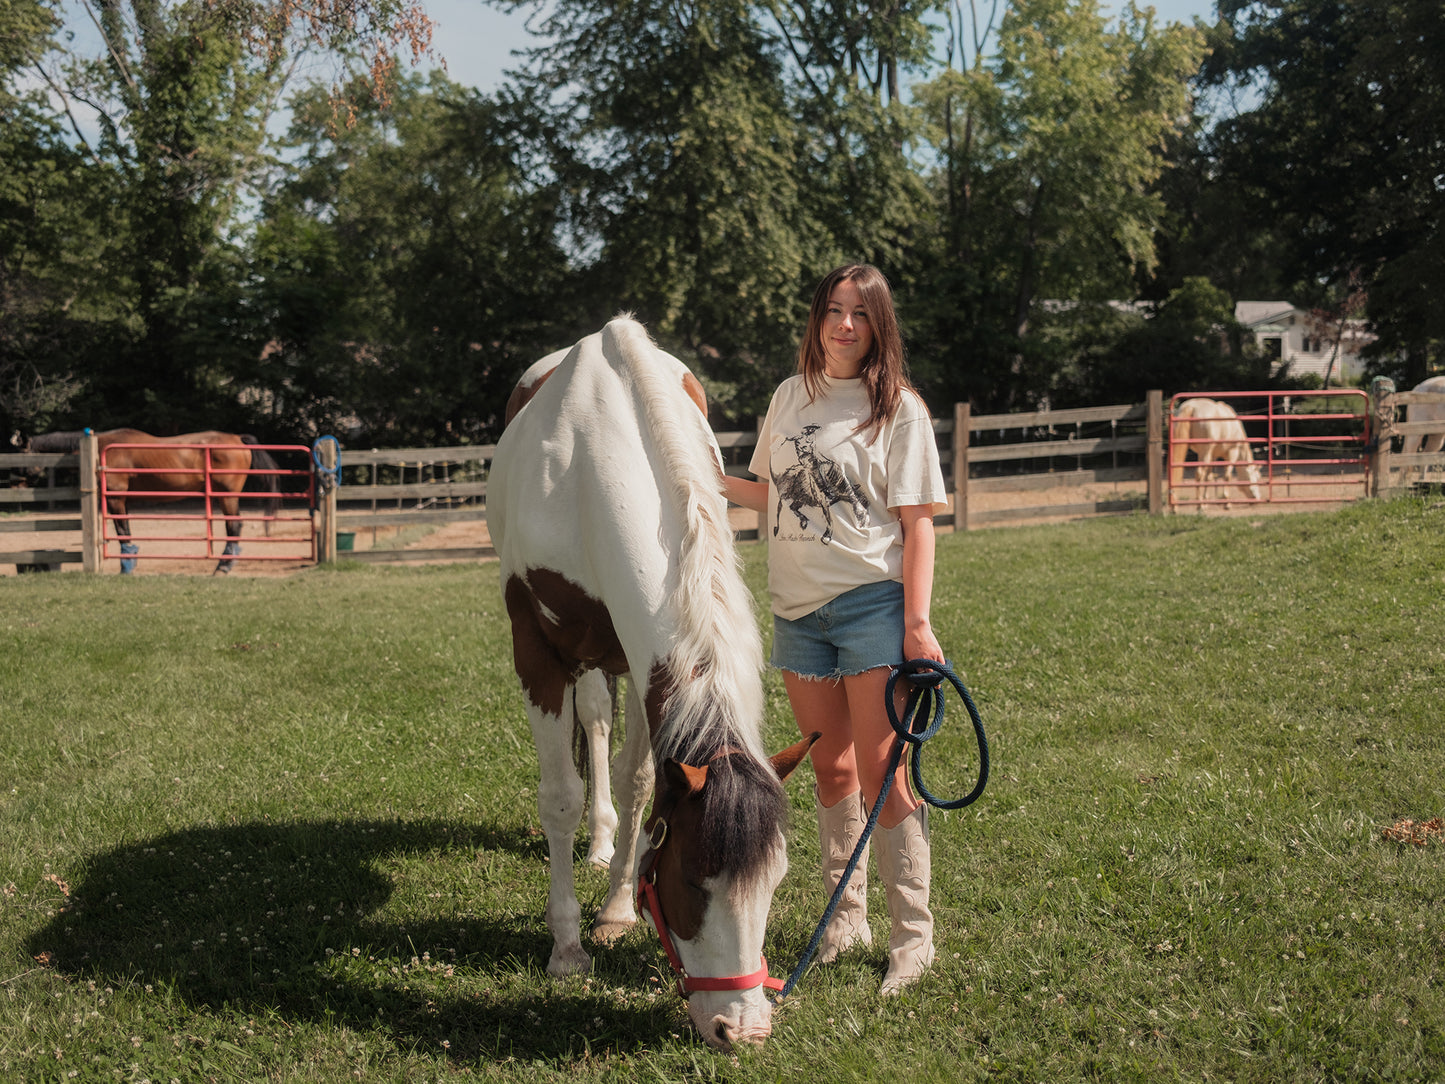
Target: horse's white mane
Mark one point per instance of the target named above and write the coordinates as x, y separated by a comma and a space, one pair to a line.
716, 659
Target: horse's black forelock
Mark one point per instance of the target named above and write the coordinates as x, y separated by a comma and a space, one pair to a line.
744, 812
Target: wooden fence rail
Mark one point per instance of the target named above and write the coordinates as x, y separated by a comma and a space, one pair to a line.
27, 498
999, 469
435, 497
1391, 470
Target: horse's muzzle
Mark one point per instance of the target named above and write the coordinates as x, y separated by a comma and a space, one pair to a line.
729, 1029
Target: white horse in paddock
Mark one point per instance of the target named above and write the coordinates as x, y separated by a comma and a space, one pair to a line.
605, 506
1213, 432
1428, 443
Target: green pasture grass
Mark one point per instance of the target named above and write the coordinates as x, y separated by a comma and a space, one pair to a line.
285, 829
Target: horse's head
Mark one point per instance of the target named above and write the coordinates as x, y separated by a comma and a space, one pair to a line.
1252, 475
717, 855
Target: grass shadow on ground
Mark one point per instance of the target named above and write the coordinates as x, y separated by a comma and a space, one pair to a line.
287, 920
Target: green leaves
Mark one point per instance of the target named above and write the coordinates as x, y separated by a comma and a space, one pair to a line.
1048, 156
1343, 150
406, 272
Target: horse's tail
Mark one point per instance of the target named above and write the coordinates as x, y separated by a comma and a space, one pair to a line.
269, 483
581, 751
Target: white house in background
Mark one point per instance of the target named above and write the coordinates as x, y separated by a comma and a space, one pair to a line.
1299, 345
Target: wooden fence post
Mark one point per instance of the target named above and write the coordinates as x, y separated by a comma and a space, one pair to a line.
92, 533
327, 452
960, 466
1382, 411
1155, 450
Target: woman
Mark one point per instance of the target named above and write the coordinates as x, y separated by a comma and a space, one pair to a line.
853, 482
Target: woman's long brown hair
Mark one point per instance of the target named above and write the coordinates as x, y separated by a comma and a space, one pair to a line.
884, 375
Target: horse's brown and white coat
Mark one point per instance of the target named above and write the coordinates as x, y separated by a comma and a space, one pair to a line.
606, 510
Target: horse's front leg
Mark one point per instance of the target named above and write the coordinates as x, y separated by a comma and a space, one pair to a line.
560, 798
594, 713
632, 774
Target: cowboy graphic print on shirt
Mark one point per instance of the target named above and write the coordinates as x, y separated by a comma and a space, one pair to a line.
832, 491
818, 483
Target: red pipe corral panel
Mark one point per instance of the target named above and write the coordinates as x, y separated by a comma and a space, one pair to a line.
212, 477
1274, 447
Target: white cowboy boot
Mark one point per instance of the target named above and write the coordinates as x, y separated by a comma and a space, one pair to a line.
838, 831
903, 862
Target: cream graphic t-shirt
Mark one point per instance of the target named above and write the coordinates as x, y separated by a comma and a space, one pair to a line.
830, 522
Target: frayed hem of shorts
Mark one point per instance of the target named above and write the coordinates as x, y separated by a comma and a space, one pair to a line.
838, 675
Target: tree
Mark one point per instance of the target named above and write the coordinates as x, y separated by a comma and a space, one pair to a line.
405, 273
1049, 151
57, 305
1212, 227
175, 111
717, 158
1188, 342
1345, 148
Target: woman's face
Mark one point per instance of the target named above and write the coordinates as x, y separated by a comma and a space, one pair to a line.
846, 335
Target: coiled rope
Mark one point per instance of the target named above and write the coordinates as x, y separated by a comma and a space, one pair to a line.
924, 698
329, 477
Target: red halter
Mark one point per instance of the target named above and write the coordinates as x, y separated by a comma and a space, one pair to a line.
648, 902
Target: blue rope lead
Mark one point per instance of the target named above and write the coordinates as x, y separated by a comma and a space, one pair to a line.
926, 678
330, 477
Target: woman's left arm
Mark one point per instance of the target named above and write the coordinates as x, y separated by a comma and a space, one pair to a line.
919, 641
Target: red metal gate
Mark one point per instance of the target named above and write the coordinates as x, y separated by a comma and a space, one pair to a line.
194, 532
1300, 447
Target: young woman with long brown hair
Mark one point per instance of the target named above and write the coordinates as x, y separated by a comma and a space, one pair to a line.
850, 481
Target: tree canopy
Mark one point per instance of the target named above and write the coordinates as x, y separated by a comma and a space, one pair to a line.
1343, 154
243, 214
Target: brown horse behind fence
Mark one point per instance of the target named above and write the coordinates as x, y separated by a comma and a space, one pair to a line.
173, 472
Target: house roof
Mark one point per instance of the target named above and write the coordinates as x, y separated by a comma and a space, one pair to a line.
1258, 315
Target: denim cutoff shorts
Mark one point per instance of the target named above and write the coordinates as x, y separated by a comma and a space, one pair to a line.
860, 630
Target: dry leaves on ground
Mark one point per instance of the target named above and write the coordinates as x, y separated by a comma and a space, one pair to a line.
1417, 832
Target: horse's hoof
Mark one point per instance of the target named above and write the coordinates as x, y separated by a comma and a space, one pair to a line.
607, 933
571, 961
601, 858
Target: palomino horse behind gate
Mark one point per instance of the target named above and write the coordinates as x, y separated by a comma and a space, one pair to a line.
607, 514
1213, 432
172, 472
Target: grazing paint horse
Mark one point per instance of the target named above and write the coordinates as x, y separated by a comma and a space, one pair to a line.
173, 473
815, 482
1428, 443
1213, 432
605, 506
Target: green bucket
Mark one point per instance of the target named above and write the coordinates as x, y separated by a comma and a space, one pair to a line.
345, 540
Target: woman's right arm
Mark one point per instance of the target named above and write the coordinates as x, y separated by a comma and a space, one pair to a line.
746, 492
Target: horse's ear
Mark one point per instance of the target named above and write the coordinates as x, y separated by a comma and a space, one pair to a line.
684, 777
786, 762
